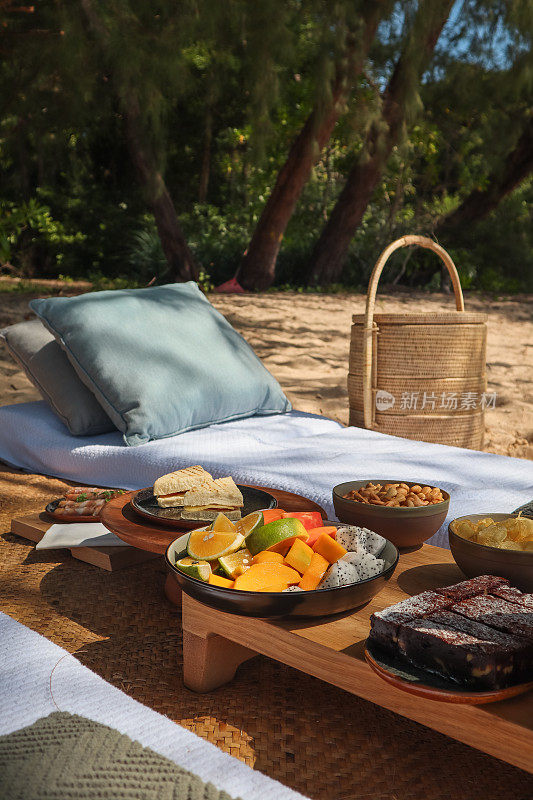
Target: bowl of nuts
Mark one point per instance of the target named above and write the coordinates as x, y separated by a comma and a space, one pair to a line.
405, 512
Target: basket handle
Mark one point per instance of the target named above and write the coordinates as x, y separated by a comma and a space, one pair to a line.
405, 241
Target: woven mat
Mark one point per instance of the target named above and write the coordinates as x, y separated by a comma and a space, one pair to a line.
65, 755
310, 736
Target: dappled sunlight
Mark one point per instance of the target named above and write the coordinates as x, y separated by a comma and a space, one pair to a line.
304, 341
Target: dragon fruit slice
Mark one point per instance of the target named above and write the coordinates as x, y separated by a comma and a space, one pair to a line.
353, 558
339, 574
330, 579
370, 566
293, 589
371, 542
357, 540
348, 537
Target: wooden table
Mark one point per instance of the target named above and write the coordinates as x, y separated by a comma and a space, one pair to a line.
332, 649
34, 526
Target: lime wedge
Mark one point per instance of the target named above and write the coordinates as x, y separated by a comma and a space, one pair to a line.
248, 524
235, 564
196, 569
277, 536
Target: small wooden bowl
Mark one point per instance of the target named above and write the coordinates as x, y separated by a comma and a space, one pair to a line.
479, 559
404, 527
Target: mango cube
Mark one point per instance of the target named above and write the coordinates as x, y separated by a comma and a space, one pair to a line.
267, 556
315, 572
218, 580
329, 548
299, 556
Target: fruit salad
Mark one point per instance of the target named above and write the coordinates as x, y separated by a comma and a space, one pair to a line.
284, 554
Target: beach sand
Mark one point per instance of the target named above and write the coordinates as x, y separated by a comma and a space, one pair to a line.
304, 341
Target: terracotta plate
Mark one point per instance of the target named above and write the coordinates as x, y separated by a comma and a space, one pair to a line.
424, 684
120, 517
145, 504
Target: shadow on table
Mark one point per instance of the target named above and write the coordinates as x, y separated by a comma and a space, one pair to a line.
419, 579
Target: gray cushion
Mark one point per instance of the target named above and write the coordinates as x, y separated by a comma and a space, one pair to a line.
48, 368
161, 360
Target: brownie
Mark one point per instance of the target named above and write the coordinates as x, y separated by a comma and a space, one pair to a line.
463, 650
385, 624
498, 613
513, 595
480, 585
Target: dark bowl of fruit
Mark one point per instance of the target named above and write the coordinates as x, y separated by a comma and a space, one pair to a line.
281, 569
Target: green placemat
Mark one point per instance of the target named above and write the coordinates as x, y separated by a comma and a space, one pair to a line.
64, 757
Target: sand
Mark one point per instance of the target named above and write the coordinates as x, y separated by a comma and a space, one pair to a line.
303, 339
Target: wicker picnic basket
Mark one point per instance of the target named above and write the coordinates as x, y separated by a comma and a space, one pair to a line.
421, 375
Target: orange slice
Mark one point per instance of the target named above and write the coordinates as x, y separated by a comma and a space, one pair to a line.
206, 545
223, 525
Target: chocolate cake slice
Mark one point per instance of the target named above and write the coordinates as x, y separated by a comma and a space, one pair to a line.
465, 651
385, 624
480, 585
513, 595
499, 614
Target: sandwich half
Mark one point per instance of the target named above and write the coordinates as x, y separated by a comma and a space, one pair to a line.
170, 489
206, 501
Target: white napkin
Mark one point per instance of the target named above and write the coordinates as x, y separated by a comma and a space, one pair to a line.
78, 534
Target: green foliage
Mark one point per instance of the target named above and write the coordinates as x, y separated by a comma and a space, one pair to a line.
223, 90
29, 232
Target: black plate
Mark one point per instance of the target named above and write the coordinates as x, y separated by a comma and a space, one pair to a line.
526, 509
145, 503
266, 605
52, 507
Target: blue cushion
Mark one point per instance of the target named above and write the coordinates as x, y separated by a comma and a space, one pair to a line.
161, 360
47, 366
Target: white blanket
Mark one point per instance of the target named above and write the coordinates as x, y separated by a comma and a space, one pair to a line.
299, 452
37, 677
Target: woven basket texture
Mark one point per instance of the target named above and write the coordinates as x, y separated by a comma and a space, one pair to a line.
315, 738
429, 354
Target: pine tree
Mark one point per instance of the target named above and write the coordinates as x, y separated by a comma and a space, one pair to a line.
182, 264
257, 270
398, 99
506, 177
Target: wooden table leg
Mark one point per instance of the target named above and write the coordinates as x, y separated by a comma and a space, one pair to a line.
210, 661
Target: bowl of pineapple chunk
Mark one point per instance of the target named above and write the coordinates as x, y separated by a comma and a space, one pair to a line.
495, 544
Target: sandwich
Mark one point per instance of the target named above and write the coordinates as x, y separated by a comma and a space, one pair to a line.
206, 501
170, 489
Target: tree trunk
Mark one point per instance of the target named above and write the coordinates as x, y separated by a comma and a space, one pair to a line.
330, 251
257, 269
181, 262
516, 167
206, 156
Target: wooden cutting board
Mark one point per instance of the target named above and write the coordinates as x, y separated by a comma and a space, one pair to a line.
34, 526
